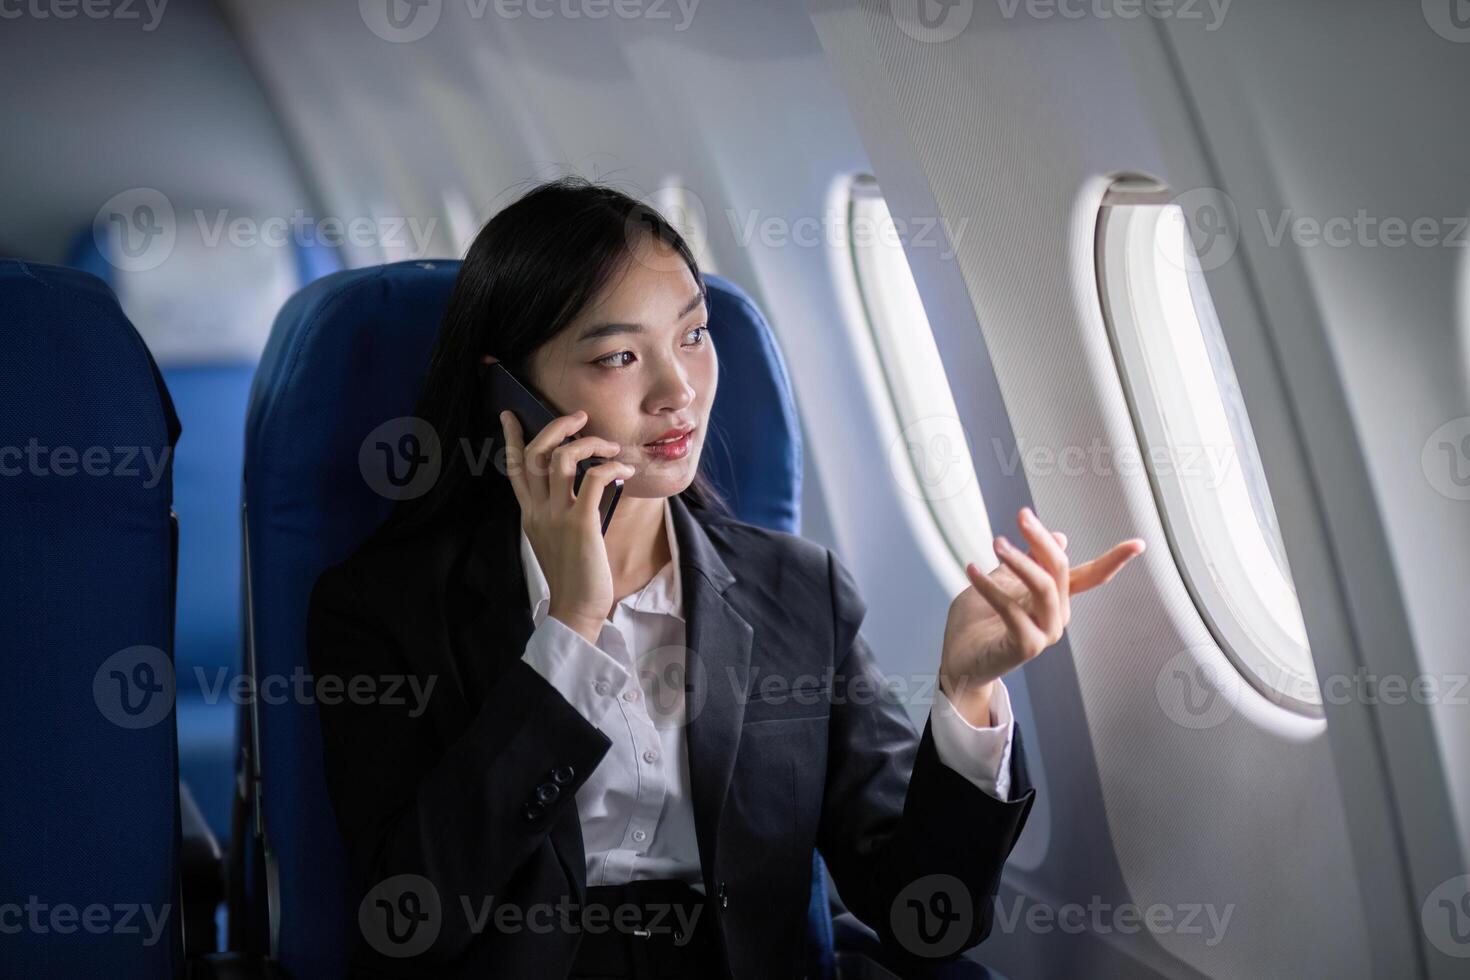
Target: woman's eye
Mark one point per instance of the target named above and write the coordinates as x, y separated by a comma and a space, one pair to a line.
611, 359
614, 360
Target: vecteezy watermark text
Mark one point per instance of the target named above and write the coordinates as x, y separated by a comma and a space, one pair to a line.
41, 918
403, 915
405, 21
40, 460
148, 12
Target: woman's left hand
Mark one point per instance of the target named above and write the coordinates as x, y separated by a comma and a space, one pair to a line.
1009, 616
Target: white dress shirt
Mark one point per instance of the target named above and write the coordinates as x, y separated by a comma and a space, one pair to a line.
636, 808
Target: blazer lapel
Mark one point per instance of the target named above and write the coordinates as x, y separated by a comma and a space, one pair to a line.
718, 640
496, 623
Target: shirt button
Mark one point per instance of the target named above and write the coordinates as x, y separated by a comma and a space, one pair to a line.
630, 695
638, 835
650, 756
602, 687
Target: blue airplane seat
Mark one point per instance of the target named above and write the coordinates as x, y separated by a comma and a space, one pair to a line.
90, 828
347, 354
210, 391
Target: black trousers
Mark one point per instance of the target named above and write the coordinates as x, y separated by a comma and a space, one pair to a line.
652, 929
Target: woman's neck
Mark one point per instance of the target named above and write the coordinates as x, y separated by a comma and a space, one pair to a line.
637, 546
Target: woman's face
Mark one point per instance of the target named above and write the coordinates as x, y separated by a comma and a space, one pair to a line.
640, 361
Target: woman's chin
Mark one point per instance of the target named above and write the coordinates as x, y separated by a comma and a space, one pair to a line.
662, 478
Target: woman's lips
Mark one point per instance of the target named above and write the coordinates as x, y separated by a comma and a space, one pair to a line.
675, 449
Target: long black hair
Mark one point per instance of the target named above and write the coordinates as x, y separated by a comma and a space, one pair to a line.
530, 271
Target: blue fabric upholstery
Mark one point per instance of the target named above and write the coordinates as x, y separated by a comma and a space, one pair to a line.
346, 354
90, 818
210, 396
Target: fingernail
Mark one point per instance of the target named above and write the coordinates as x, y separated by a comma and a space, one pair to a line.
1001, 544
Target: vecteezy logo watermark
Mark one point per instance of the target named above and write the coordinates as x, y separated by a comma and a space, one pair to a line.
932, 21
1363, 686
645, 243
835, 229
933, 916
930, 459
134, 688
138, 229
1445, 915
401, 916
1212, 12
673, 697
135, 229
1445, 459
35, 459
401, 458
1210, 464
401, 21
91, 9
1364, 230
1196, 689
408, 691
40, 918
1200, 231
1102, 918
395, 232
1450, 19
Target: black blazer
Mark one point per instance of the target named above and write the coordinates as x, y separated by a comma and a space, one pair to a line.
437, 802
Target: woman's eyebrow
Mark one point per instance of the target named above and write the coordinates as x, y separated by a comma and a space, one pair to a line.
608, 329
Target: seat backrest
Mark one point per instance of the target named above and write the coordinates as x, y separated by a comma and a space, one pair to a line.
89, 773
346, 355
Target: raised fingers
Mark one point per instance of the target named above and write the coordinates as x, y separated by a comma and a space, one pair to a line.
1045, 599
1028, 635
1091, 574
1049, 554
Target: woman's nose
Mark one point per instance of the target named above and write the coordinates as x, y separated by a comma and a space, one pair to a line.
673, 392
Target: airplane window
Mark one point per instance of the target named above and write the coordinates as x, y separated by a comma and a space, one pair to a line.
932, 461
1201, 453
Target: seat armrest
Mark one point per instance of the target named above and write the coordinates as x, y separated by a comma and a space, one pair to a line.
201, 868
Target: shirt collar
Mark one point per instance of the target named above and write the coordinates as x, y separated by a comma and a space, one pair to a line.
663, 594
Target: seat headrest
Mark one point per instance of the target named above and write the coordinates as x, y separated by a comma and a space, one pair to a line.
76, 374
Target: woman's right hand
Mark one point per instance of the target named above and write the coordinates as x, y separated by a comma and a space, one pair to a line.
565, 529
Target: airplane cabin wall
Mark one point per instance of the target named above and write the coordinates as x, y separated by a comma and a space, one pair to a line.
1044, 112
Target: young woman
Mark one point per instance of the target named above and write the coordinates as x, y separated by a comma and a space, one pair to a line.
633, 743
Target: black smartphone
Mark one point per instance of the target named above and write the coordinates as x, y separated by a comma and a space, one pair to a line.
502, 391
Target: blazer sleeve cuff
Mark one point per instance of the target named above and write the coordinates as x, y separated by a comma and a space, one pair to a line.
980, 754
585, 674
